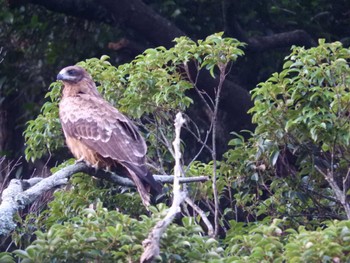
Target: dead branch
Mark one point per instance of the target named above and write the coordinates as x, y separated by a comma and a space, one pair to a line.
202, 214
151, 244
21, 193
340, 194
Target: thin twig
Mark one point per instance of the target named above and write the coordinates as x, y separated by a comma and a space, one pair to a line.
345, 182
160, 159
222, 68
199, 92
166, 143
199, 139
204, 217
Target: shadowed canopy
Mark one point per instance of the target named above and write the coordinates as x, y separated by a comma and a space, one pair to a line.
98, 133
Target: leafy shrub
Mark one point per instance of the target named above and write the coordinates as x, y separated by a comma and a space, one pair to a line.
273, 241
301, 141
97, 233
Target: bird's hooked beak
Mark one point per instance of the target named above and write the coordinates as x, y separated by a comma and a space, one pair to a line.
71, 74
64, 75
60, 77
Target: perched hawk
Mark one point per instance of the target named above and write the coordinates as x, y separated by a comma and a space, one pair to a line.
99, 134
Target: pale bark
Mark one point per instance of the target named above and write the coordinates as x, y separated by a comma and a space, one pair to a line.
151, 244
21, 193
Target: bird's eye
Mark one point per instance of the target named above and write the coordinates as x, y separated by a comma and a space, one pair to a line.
71, 72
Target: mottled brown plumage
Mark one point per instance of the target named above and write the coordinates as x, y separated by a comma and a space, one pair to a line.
98, 133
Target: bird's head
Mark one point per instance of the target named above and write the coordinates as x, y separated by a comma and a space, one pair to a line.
77, 81
73, 74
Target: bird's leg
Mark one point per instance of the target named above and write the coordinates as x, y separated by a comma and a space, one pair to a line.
97, 165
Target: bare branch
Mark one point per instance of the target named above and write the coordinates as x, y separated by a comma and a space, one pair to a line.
285, 39
9, 206
151, 244
204, 217
345, 182
341, 196
21, 193
16, 197
223, 73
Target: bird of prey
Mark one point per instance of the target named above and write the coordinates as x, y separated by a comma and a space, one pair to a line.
99, 134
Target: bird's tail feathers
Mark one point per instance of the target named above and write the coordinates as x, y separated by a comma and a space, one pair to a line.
157, 186
144, 193
145, 175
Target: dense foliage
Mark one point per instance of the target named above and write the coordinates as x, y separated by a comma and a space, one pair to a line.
302, 138
283, 192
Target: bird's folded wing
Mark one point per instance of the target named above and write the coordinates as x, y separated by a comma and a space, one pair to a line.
103, 129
